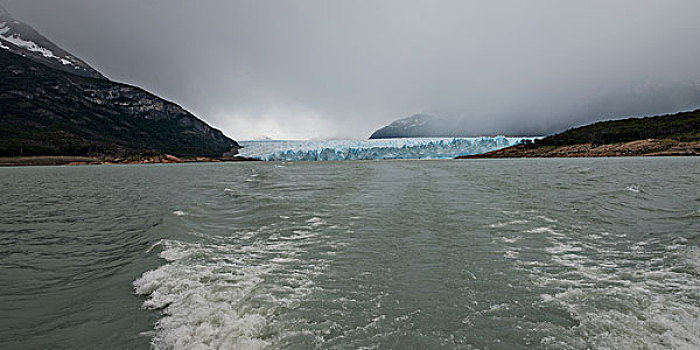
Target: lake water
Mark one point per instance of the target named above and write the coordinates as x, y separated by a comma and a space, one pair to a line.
477, 254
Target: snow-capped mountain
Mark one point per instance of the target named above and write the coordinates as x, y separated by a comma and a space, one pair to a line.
47, 111
24, 40
53, 103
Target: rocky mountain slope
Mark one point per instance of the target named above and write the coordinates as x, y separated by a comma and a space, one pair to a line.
44, 111
52, 103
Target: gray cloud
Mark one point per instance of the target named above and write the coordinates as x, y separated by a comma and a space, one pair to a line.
319, 69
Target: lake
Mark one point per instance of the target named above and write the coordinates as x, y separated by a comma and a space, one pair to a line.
430, 254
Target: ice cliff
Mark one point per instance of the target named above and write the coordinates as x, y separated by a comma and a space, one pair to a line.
407, 148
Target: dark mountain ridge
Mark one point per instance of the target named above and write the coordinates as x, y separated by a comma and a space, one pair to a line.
45, 111
684, 127
53, 103
667, 135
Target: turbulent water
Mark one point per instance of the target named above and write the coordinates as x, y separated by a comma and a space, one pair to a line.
404, 148
478, 254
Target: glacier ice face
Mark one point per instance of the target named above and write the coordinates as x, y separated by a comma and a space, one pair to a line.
408, 148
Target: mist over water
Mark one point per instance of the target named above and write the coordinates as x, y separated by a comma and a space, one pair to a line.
597, 253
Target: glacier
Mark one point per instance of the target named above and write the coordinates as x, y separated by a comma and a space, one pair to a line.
405, 148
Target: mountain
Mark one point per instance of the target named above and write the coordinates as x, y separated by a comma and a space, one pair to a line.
683, 127
52, 103
667, 135
46, 111
642, 98
417, 125
22, 39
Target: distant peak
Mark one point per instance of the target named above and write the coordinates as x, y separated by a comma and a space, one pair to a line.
415, 120
421, 116
417, 125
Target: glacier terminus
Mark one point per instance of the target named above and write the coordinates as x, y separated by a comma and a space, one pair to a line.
403, 148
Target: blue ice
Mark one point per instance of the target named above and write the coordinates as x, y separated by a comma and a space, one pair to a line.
406, 148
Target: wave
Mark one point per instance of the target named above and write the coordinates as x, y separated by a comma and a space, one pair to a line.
641, 296
226, 293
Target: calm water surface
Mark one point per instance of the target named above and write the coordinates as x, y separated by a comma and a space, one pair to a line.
484, 254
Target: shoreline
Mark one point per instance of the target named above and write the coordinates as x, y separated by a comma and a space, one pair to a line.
639, 148
107, 160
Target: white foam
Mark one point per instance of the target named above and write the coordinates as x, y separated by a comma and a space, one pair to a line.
633, 188
547, 219
511, 239
179, 213
498, 307
508, 223
547, 230
219, 295
620, 305
315, 221
511, 254
562, 248
641, 319
201, 302
298, 235
199, 314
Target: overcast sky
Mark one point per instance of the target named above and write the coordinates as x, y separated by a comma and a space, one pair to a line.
334, 69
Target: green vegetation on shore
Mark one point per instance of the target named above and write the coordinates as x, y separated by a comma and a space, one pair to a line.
682, 127
668, 135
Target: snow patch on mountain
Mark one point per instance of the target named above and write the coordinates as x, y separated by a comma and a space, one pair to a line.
16, 40
24, 40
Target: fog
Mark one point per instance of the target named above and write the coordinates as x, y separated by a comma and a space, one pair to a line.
341, 69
